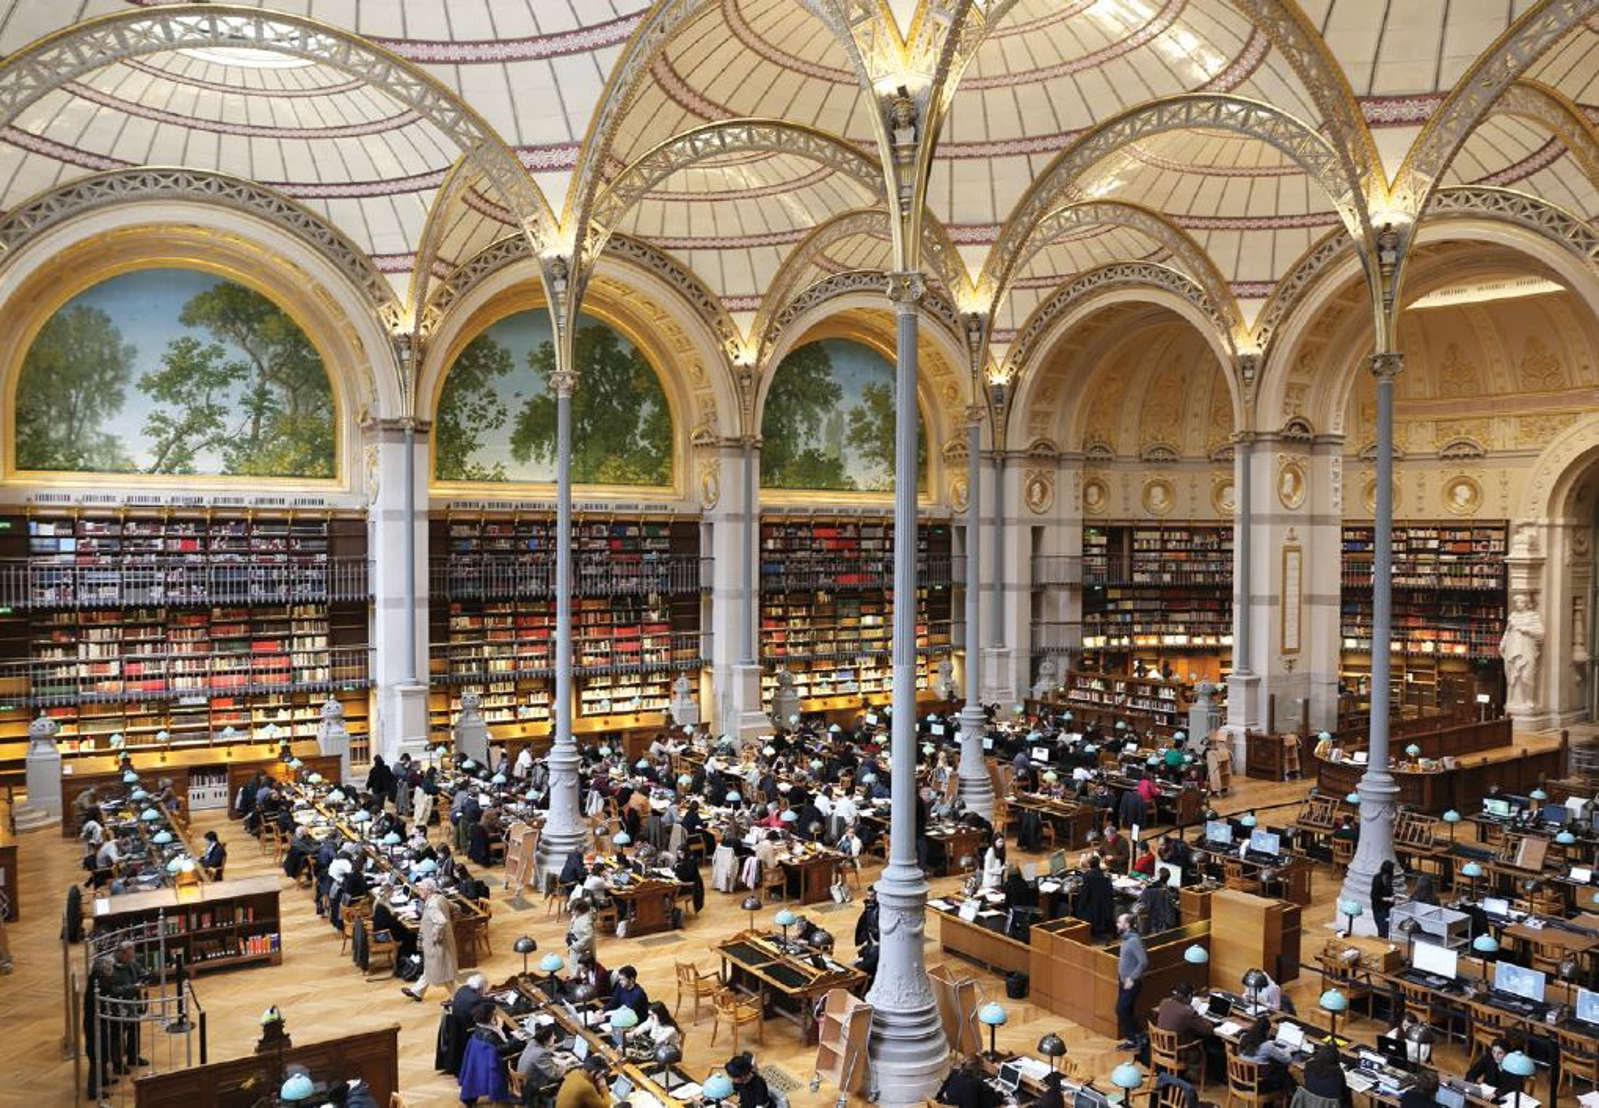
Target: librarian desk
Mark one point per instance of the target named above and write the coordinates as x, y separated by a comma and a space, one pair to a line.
982, 940
373, 1056
215, 925
233, 764
1072, 821
1512, 769
784, 983
1288, 878
646, 903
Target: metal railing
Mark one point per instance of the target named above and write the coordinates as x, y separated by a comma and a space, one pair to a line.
488, 660
500, 576
200, 579
850, 575
124, 677
1057, 636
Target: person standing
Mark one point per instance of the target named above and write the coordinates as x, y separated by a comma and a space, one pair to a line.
1382, 896
1131, 964
438, 942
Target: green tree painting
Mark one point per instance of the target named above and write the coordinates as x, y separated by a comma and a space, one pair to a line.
828, 423
223, 381
496, 417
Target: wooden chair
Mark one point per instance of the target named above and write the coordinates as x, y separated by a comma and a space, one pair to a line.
1243, 1085
557, 898
695, 982
1167, 1052
1046, 835
606, 918
486, 906
272, 841
1546, 957
396, 1101
1343, 852
380, 953
1236, 877
1578, 1059
356, 909
774, 883
1487, 1025
735, 1012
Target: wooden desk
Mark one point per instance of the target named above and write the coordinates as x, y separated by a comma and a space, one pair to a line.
983, 945
8, 864
1264, 757
1072, 822
782, 982
1073, 977
646, 905
956, 843
1513, 769
810, 878
373, 1056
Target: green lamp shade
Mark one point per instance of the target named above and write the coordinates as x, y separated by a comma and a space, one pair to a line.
1051, 776
1349, 908
732, 797
336, 796
175, 865
1323, 736
1565, 838
1471, 869
718, 1086
789, 816
1153, 759
497, 779
785, 918
1334, 1001
361, 816
391, 839
138, 794
1248, 820
621, 838
1178, 736
297, 1087
1596, 898
928, 749
469, 765
161, 838
427, 865
1484, 944
1451, 816
1353, 798
1519, 1064
1121, 725
991, 1015
868, 778
1538, 794
129, 778
684, 781
315, 779
149, 815
605, 752
1127, 1076
1196, 955
1067, 717
624, 1018
1413, 750
552, 963
295, 763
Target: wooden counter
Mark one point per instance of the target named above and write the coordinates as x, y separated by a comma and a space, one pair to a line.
1514, 769
1073, 977
181, 765
8, 864
983, 945
373, 1056
218, 925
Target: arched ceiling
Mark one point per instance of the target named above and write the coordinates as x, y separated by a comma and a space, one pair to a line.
582, 90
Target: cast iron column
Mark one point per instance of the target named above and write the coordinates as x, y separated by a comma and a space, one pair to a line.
976, 790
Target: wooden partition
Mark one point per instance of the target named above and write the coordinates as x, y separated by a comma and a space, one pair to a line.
1252, 932
1461, 788
1076, 978
373, 1056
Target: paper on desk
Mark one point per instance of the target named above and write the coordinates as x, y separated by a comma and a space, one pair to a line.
1229, 1027
686, 1092
1589, 1099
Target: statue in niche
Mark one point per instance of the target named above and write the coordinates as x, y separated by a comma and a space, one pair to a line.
1048, 678
1520, 647
944, 681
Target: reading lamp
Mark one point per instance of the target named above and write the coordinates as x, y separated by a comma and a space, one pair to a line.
666, 1056
752, 904
1451, 817
1127, 1077
1332, 1002
1053, 1047
1472, 871
1484, 945
1350, 909
992, 1016
1255, 980
524, 946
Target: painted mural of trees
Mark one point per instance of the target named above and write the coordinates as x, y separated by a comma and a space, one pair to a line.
237, 389
496, 418
74, 377
828, 422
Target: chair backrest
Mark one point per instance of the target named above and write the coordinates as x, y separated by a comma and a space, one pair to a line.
1242, 1076
1163, 1045
686, 973
1306, 1099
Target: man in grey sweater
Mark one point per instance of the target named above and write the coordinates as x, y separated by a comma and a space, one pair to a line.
1130, 966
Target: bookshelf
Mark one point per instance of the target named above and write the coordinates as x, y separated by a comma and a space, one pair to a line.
213, 925
1449, 604
638, 586
158, 628
1163, 703
827, 613
1155, 590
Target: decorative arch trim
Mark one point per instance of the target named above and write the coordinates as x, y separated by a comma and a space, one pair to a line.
1563, 461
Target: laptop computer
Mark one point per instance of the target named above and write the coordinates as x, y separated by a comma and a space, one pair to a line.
1219, 1008
1009, 1077
1290, 1036
621, 1089
1447, 1097
1582, 875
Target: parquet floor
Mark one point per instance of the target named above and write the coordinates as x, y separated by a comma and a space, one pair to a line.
321, 994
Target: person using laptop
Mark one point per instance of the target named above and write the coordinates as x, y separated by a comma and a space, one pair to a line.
1423, 1091
584, 1087
965, 1087
1324, 1076
1052, 1096
1489, 1070
1256, 1045
1176, 1013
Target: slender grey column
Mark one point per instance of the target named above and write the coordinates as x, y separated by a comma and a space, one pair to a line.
1378, 793
408, 521
563, 831
976, 790
752, 567
996, 636
1244, 556
908, 1047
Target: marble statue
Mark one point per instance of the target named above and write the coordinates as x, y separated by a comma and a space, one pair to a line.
1048, 678
1520, 647
785, 701
684, 708
944, 679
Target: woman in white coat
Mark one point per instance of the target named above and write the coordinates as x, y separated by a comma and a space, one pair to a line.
436, 942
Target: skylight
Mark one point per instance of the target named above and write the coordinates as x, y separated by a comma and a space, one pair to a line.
246, 57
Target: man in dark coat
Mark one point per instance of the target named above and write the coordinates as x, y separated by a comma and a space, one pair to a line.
459, 1017
1096, 901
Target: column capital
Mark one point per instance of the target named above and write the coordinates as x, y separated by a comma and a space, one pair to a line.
563, 382
974, 415
393, 430
906, 289
1244, 438
1388, 365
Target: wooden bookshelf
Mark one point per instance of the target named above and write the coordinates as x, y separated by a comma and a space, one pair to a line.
827, 610
154, 628
1155, 590
1164, 703
1449, 606
637, 586
214, 926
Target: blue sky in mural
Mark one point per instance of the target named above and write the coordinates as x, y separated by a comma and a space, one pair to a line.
854, 368
520, 333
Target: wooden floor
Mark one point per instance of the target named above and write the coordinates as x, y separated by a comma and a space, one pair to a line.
321, 994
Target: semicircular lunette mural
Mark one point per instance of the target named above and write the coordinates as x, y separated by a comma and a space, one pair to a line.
828, 422
174, 371
496, 414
